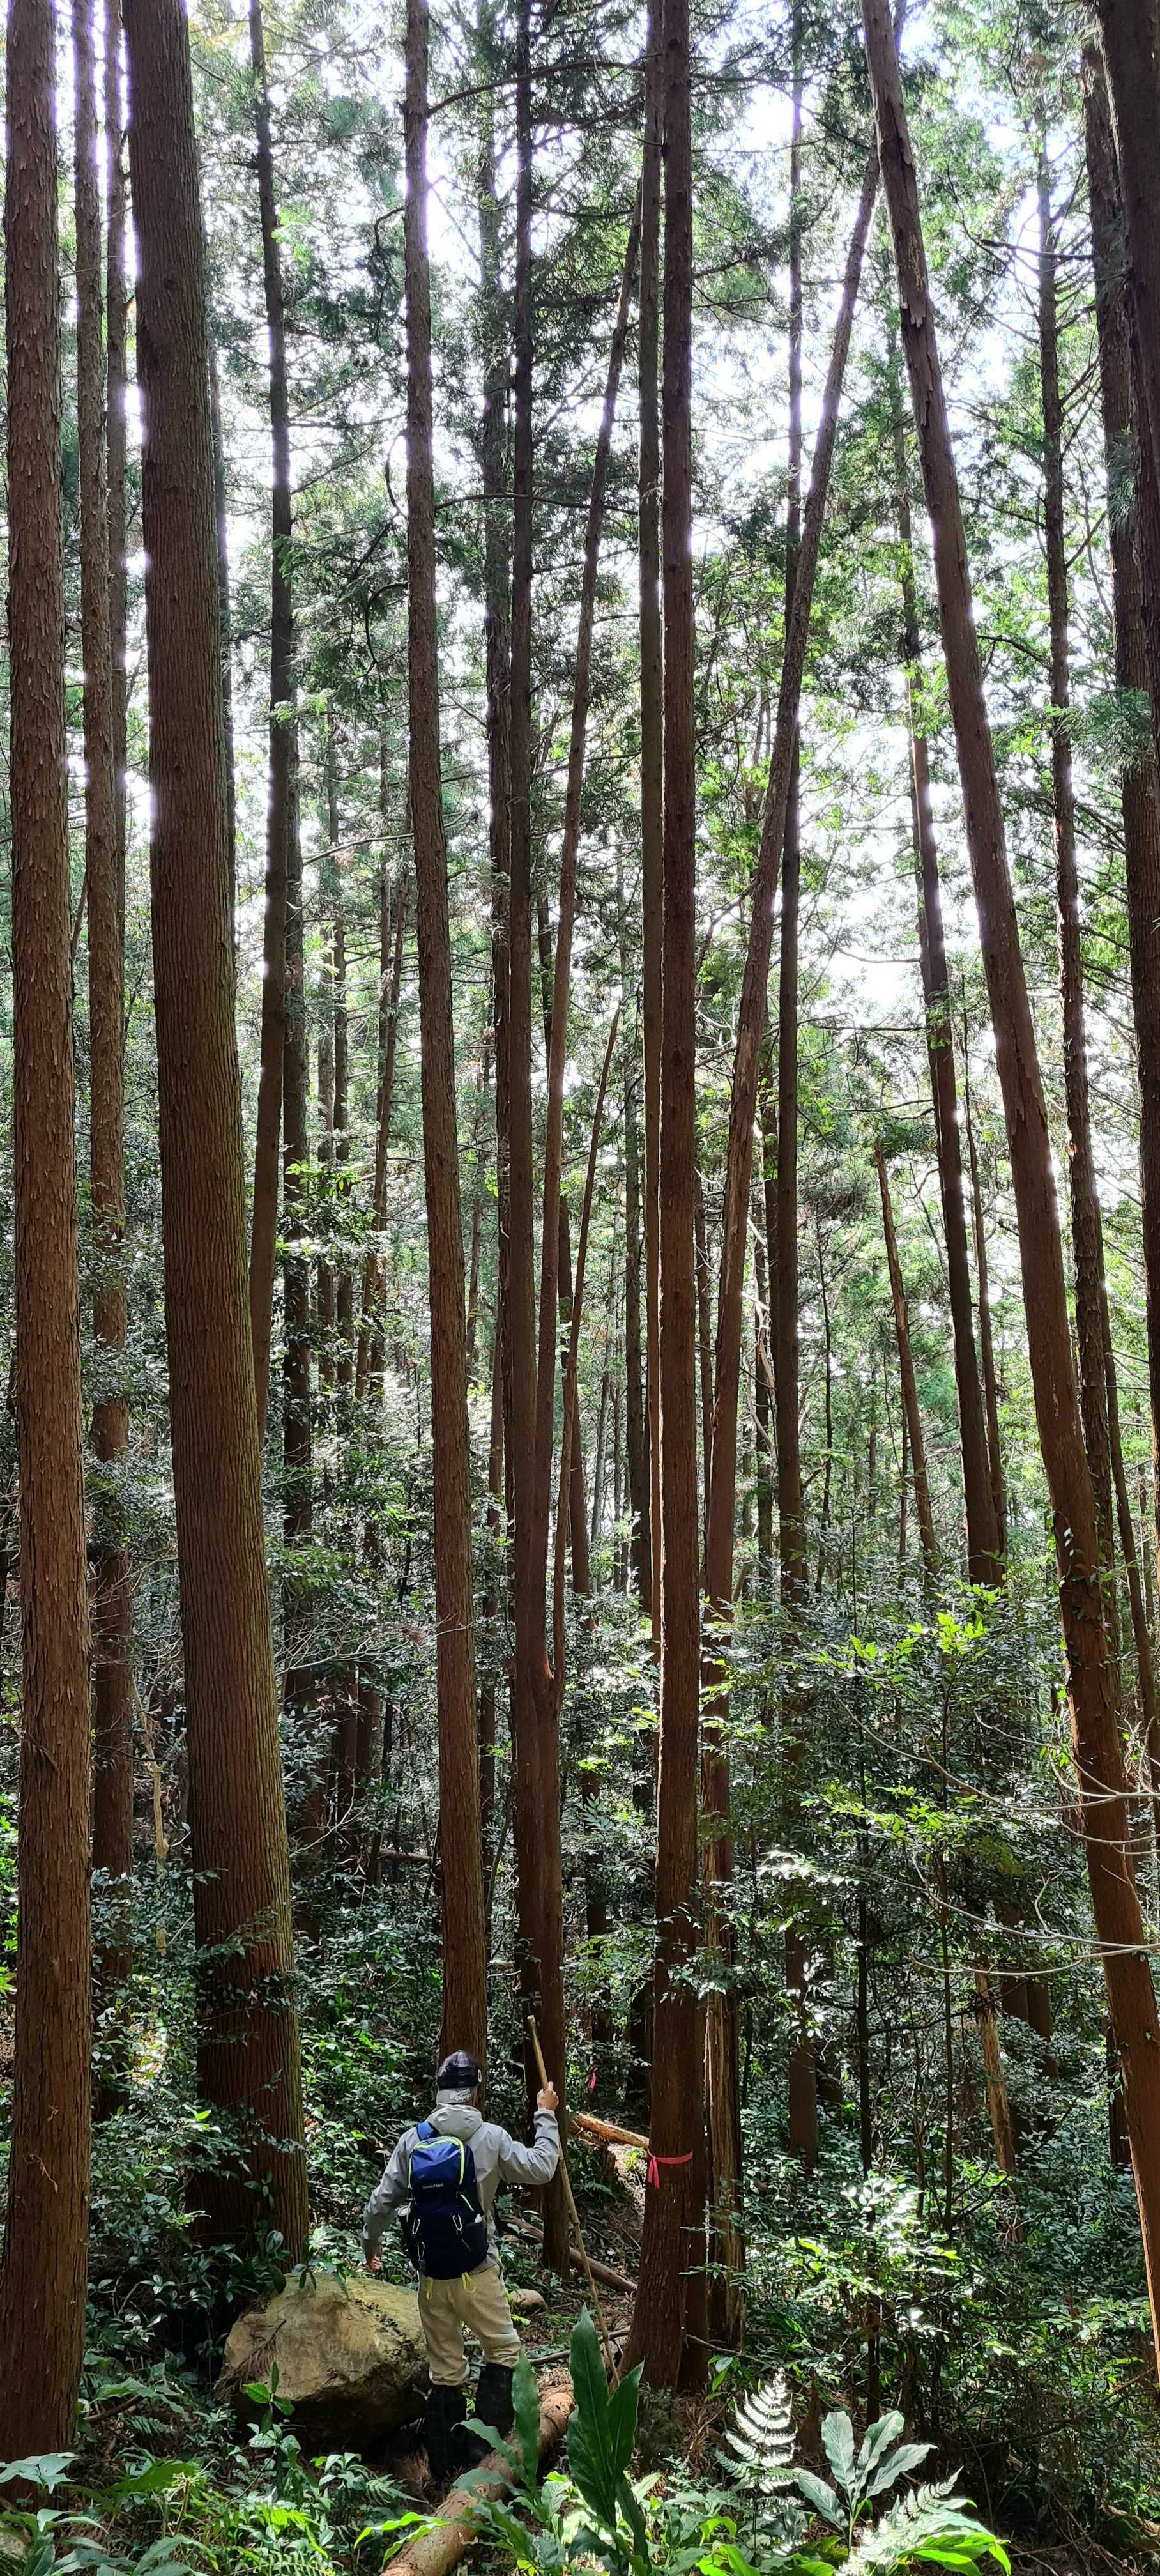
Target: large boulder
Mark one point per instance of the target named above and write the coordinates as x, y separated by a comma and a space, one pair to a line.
350, 2356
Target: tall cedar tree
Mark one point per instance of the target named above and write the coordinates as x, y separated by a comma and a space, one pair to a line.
247, 2040
673, 2247
1090, 1683
264, 1220
104, 878
651, 763
1140, 793
722, 1459
464, 1954
42, 2272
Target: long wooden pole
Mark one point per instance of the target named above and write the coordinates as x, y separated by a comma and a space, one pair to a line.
574, 2213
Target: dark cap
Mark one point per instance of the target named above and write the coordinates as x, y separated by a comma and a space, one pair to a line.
459, 2073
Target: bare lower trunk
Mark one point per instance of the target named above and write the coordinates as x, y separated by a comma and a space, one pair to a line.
1091, 1694
464, 1957
42, 2272
248, 2063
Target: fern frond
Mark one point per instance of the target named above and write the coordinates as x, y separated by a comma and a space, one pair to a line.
934, 2526
761, 2437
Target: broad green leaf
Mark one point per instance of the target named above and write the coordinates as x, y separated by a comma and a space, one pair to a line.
879, 2437
838, 2444
821, 2496
899, 2464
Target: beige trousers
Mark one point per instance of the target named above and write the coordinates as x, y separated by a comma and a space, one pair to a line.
475, 2304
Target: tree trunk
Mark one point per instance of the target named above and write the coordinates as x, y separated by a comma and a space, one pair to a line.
704, 1326
42, 2272
982, 1274
1095, 1736
297, 1502
576, 1508
264, 1224
104, 875
344, 1280
916, 1442
651, 759
635, 1395
394, 908
984, 1530
464, 1956
115, 416
998, 2106
1086, 1225
1132, 64
248, 2063
1140, 791
221, 534
327, 881
673, 2241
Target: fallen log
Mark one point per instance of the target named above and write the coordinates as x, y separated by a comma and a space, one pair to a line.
608, 2130
603, 2271
435, 2551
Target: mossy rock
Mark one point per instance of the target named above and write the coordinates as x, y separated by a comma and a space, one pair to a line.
350, 2358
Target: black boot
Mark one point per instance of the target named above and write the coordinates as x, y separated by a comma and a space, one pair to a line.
446, 2407
493, 2397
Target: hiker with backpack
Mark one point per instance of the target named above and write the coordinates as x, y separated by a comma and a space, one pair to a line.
445, 2173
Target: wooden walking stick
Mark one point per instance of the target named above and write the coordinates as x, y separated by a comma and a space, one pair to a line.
574, 2214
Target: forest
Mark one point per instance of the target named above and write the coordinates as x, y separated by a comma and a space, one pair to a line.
580, 1285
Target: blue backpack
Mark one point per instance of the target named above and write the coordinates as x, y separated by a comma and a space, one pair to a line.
445, 2228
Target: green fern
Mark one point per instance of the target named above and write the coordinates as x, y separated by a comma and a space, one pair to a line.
762, 2439
931, 2527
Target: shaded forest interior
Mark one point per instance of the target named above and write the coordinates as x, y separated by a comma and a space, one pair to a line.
580, 1265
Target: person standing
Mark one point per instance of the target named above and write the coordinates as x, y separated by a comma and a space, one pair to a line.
445, 2173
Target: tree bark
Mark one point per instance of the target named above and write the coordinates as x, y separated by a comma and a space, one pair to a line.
984, 1530
115, 417
913, 1417
1095, 1736
394, 908
1086, 1224
104, 873
651, 760
264, 1224
248, 2064
982, 1274
297, 1501
635, 1389
464, 1955
1140, 790
1131, 52
673, 2240
42, 2271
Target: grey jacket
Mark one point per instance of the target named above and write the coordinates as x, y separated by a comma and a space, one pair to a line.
497, 2159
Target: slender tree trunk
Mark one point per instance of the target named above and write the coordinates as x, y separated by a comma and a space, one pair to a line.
394, 908
297, 1501
327, 884
673, 2242
704, 1326
112, 1618
984, 1531
42, 2271
248, 2060
576, 1510
1140, 791
651, 759
493, 459
344, 1316
635, 1391
464, 1953
1095, 1735
1086, 1225
915, 1439
489, 1608
828, 1356
116, 305
1131, 53
535, 1801
998, 2106
763, 1427
982, 1274
264, 1227
221, 534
